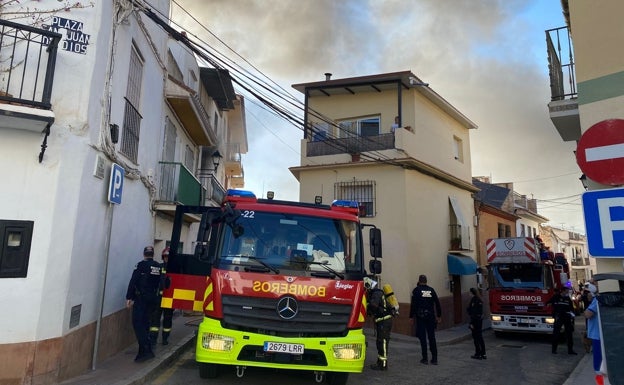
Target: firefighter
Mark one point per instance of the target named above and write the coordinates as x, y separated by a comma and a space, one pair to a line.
142, 296
160, 312
563, 312
382, 314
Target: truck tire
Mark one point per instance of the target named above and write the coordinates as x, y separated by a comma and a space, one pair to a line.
337, 378
208, 370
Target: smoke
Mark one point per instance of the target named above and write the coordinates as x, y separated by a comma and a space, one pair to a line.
487, 58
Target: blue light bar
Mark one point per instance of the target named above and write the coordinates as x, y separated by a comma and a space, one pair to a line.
345, 203
232, 193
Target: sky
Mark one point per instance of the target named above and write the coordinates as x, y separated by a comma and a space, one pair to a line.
485, 57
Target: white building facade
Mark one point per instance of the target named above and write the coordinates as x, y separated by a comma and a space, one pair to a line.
121, 91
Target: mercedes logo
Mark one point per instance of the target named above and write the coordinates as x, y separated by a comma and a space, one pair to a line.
287, 307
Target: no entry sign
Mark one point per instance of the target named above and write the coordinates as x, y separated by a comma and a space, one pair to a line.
600, 152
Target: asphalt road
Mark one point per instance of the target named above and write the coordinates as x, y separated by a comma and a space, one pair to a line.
512, 360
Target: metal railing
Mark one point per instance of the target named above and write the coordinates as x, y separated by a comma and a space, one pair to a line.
212, 189
179, 185
560, 68
352, 145
27, 63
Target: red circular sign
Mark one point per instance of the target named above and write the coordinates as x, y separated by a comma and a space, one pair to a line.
600, 152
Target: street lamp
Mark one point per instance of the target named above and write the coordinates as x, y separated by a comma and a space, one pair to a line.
216, 159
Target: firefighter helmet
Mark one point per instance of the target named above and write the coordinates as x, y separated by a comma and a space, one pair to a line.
369, 283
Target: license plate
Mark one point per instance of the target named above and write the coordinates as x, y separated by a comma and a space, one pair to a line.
281, 347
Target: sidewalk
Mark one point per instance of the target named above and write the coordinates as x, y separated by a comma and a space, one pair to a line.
122, 370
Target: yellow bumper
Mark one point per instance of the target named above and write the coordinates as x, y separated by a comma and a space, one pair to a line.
216, 345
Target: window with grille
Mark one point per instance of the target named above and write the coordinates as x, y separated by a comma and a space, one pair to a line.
189, 158
132, 117
361, 191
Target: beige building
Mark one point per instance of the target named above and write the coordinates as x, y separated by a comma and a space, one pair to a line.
587, 79
392, 143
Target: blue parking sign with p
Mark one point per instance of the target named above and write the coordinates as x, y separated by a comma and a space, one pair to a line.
115, 186
604, 222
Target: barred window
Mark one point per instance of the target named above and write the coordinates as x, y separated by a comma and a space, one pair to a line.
189, 158
132, 117
361, 191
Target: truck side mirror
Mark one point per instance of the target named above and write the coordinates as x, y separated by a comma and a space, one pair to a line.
375, 242
374, 266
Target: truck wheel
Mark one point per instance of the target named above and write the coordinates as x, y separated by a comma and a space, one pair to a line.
208, 370
335, 378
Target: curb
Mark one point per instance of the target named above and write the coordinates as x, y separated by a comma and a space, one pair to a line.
147, 373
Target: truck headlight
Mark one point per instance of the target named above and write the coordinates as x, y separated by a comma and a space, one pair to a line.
212, 341
347, 351
549, 320
497, 318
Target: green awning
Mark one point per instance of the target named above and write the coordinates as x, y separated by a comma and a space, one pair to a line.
459, 264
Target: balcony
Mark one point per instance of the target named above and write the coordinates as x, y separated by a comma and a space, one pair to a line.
213, 192
563, 107
352, 145
233, 160
28, 60
178, 186
189, 109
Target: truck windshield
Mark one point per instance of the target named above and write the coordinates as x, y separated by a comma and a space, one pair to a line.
520, 275
278, 241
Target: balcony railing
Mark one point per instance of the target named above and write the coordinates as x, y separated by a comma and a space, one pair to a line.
561, 64
352, 145
213, 190
178, 185
27, 62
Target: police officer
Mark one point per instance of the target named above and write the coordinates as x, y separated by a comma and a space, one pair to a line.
382, 313
426, 310
563, 312
142, 296
165, 313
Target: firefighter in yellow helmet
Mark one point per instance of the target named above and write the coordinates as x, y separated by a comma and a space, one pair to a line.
382, 313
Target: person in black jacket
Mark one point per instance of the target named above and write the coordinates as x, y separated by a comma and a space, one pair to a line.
475, 311
563, 311
425, 309
142, 296
382, 313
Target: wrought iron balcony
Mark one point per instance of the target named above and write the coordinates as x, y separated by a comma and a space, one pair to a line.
213, 191
563, 107
28, 59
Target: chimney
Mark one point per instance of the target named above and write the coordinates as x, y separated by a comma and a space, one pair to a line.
328, 76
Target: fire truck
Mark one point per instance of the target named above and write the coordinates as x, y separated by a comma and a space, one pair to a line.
520, 284
280, 285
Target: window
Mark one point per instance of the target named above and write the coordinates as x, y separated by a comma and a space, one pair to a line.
522, 231
460, 231
15, 239
367, 126
361, 191
189, 158
458, 150
132, 117
504, 231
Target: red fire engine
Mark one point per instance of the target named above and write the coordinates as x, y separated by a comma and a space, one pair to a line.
279, 284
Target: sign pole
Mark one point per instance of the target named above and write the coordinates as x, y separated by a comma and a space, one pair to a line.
110, 211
